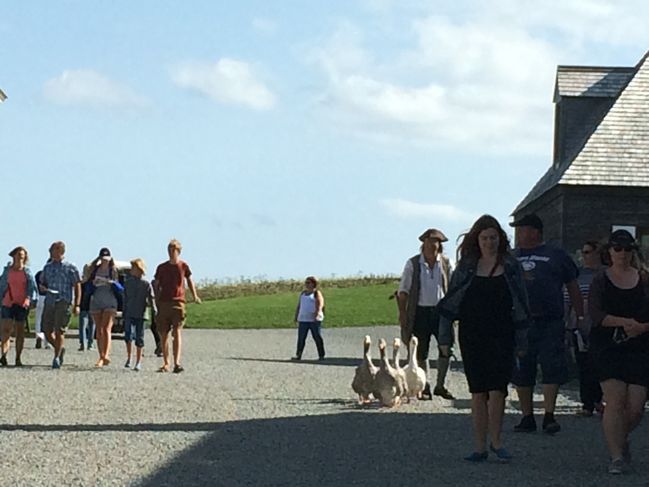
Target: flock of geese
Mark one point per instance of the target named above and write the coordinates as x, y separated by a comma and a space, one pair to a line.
389, 384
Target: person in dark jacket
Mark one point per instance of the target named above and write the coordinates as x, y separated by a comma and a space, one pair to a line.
487, 296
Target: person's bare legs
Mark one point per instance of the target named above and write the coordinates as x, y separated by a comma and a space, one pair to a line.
6, 327
614, 422
138, 355
108, 315
164, 339
526, 400
129, 349
496, 411
20, 340
550, 392
178, 343
99, 330
479, 415
59, 341
636, 397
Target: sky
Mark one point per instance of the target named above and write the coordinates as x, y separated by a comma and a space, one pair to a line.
287, 138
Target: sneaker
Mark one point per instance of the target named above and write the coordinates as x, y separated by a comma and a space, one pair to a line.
158, 352
47, 345
503, 455
56, 364
443, 392
616, 467
138, 367
550, 425
527, 425
91, 347
321, 358
61, 355
39, 344
18, 363
477, 457
3, 360
81, 348
127, 364
297, 358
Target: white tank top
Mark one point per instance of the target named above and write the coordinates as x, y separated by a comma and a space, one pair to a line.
307, 308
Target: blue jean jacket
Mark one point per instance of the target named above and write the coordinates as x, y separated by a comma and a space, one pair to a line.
32, 292
449, 306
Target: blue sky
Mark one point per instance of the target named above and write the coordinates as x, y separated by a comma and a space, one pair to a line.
285, 138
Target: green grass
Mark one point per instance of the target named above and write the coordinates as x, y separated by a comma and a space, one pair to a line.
366, 303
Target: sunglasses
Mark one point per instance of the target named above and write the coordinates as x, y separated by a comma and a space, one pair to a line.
620, 248
586, 252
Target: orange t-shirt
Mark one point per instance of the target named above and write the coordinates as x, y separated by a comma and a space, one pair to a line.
170, 278
16, 292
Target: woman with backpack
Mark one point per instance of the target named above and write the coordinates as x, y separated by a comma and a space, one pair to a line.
309, 315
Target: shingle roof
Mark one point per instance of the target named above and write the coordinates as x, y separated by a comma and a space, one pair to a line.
617, 153
591, 81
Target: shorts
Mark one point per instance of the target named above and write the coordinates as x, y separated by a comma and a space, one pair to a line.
547, 348
56, 317
170, 314
14, 312
619, 363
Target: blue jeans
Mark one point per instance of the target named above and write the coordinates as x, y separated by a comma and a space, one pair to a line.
134, 331
316, 332
86, 328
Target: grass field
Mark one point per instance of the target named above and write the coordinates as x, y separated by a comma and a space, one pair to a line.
363, 304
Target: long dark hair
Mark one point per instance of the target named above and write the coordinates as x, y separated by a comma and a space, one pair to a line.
469, 248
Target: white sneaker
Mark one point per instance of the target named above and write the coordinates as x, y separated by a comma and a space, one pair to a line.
127, 364
138, 367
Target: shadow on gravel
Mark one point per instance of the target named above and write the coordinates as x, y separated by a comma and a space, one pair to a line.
337, 361
378, 448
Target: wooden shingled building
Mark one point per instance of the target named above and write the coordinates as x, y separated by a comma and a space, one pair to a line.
599, 179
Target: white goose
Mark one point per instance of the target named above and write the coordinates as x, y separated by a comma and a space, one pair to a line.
402, 384
386, 382
363, 383
415, 375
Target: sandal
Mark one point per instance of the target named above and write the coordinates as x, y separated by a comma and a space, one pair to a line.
178, 369
164, 368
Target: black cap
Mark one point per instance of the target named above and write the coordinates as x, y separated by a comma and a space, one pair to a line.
529, 220
433, 233
622, 237
104, 252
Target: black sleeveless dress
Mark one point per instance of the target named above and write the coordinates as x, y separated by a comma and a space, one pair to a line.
487, 334
616, 355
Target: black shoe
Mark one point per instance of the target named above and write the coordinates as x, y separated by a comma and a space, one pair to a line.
178, 369
297, 358
3, 360
443, 392
550, 425
18, 363
425, 394
321, 358
527, 425
39, 343
158, 352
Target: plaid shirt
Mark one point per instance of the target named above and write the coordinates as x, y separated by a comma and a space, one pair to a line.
61, 277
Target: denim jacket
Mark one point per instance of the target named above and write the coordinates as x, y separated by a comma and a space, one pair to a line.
449, 307
32, 291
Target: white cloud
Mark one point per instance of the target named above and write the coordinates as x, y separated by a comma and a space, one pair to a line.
433, 211
86, 87
226, 81
264, 25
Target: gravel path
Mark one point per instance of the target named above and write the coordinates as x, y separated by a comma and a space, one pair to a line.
242, 414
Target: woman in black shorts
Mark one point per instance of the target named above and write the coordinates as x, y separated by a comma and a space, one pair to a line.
487, 296
619, 308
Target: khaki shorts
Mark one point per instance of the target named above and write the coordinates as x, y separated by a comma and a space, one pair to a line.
56, 317
170, 314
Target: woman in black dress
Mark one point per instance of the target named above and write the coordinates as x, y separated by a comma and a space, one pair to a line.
487, 296
619, 308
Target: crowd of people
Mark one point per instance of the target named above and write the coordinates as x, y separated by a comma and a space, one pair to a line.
514, 309
59, 291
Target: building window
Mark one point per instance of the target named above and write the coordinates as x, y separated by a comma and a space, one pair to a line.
629, 228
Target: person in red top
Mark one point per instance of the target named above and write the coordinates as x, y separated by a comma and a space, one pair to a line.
18, 293
169, 287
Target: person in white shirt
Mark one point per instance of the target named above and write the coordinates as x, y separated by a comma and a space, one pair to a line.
424, 283
309, 315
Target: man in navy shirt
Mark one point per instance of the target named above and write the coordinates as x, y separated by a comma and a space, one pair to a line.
546, 270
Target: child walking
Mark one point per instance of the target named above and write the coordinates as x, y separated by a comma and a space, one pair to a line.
138, 293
